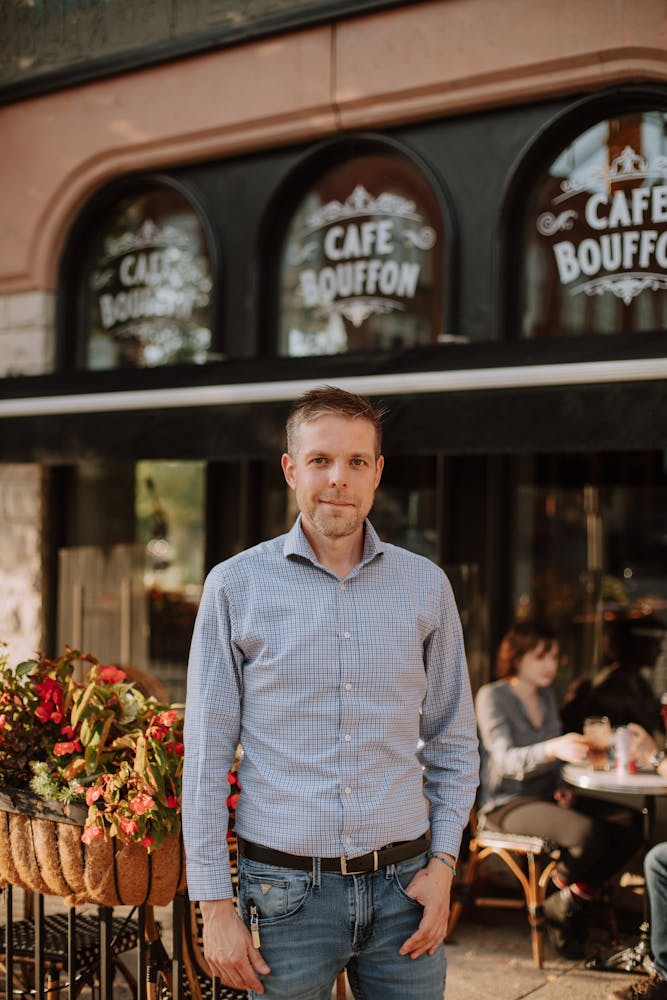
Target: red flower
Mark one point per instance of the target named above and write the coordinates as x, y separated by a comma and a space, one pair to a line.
67, 732
172, 801
91, 833
51, 701
92, 795
112, 675
3, 721
43, 712
232, 800
147, 841
141, 803
128, 826
179, 748
49, 690
62, 749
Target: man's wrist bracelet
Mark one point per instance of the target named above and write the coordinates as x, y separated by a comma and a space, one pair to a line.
445, 860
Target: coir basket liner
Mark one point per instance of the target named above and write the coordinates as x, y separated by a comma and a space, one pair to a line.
41, 849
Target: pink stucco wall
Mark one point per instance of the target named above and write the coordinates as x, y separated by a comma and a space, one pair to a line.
424, 60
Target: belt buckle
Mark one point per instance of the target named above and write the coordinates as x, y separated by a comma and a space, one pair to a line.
343, 864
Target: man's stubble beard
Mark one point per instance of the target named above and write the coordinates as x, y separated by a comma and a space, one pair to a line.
337, 527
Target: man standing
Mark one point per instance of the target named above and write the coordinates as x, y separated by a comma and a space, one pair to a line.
331, 657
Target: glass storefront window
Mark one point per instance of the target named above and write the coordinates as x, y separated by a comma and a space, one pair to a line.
132, 569
594, 243
590, 552
362, 263
145, 285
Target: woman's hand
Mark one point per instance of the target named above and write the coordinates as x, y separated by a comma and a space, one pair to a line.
571, 747
642, 746
565, 797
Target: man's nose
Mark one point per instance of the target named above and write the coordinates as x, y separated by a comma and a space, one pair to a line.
338, 474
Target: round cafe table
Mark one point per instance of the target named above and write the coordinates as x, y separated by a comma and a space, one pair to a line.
647, 786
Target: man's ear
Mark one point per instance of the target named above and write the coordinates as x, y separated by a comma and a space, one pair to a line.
379, 466
287, 463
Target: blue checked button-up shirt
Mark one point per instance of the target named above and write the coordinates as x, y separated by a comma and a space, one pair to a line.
329, 685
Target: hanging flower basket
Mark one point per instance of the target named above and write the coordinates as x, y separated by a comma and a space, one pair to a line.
90, 784
41, 849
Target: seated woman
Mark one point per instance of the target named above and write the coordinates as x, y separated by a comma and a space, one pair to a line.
522, 746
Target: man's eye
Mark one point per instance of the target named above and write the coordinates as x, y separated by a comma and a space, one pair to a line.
358, 462
318, 461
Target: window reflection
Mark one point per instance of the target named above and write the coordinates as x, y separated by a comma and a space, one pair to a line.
591, 551
362, 262
132, 571
146, 285
595, 233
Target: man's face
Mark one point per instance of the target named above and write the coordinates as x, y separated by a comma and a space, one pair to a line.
334, 473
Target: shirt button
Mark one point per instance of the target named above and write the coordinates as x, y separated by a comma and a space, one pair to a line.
347, 737
342, 586
346, 635
348, 686
348, 791
348, 840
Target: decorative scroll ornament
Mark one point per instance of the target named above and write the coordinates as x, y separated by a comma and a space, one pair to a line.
361, 203
627, 166
149, 234
623, 286
423, 239
298, 255
358, 310
547, 223
100, 279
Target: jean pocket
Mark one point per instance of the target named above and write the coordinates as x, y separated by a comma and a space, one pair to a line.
277, 893
405, 871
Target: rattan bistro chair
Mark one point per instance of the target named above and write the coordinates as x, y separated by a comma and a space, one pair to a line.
530, 859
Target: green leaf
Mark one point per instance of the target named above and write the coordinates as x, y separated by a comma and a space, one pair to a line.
91, 759
81, 704
25, 667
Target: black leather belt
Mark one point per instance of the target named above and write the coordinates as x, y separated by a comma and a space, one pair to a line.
389, 855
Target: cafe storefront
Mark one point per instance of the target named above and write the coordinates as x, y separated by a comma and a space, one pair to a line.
497, 279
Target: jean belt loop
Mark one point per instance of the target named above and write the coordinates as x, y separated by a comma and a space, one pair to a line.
317, 873
389, 871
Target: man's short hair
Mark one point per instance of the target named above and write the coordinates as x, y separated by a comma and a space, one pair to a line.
327, 400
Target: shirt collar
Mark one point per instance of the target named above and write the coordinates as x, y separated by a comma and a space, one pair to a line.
296, 544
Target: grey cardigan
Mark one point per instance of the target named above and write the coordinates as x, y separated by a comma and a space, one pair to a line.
513, 752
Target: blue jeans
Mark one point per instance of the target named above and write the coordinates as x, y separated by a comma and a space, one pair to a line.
655, 870
314, 924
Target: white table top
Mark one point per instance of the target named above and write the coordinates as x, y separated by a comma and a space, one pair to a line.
641, 783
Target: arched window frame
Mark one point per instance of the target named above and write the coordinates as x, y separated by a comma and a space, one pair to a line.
70, 317
535, 160
281, 208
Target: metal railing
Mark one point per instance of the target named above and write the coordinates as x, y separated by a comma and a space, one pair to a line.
59, 954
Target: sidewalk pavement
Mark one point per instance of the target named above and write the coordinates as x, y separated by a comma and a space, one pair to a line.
489, 958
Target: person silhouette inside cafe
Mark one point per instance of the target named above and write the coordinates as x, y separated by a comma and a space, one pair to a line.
620, 689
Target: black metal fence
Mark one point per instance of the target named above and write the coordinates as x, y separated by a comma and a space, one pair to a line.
48, 955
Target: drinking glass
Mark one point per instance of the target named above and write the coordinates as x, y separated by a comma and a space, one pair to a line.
597, 733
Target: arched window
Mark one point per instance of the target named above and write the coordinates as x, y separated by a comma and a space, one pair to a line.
594, 232
362, 260
141, 280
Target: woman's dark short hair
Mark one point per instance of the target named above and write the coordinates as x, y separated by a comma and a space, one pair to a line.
521, 639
